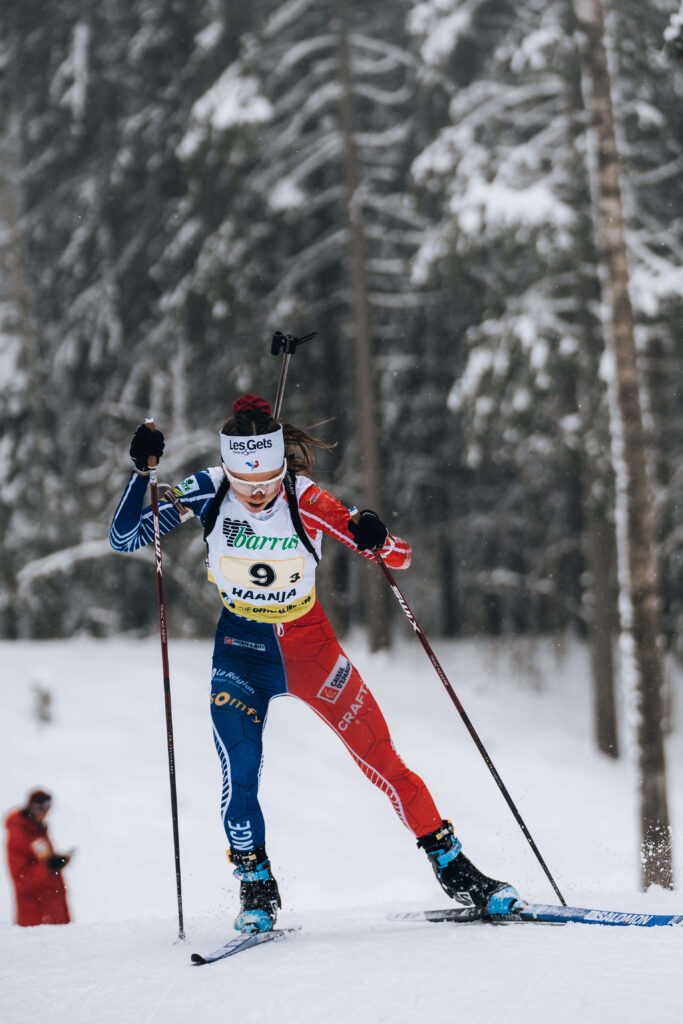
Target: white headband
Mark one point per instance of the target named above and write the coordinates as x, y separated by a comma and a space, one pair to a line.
257, 453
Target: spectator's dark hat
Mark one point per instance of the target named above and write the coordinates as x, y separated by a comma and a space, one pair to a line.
39, 796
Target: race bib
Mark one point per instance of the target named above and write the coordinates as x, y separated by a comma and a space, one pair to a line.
262, 575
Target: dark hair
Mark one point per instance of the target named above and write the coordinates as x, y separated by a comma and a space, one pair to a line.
255, 417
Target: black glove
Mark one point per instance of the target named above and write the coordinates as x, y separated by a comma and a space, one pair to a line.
369, 531
146, 442
56, 862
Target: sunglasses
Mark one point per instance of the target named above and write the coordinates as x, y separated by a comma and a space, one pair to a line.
249, 488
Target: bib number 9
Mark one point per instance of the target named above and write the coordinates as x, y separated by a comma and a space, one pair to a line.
261, 574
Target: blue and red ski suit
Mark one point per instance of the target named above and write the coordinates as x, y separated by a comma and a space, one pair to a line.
273, 638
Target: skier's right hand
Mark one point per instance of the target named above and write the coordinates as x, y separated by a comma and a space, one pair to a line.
145, 442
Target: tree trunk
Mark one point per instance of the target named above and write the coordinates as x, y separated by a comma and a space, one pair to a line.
596, 479
15, 289
599, 547
638, 605
375, 591
447, 585
659, 442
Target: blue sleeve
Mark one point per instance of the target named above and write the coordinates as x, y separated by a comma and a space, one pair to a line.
132, 526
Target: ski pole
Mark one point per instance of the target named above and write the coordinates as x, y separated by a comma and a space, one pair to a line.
286, 343
355, 515
154, 489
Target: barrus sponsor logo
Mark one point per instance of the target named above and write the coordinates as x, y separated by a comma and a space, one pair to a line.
239, 534
231, 527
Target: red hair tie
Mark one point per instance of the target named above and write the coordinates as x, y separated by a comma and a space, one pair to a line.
251, 403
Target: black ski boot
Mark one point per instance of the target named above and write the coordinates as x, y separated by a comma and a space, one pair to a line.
259, 894
458, 876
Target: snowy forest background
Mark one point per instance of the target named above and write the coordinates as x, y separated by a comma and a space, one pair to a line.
178, 180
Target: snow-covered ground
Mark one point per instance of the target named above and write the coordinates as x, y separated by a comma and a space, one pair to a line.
342, 858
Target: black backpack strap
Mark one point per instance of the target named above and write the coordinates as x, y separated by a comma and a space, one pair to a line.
212, 511
290, 491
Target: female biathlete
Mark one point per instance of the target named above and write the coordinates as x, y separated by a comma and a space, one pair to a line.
263, 522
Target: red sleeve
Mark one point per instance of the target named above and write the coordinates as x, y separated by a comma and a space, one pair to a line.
320, 511
27, 869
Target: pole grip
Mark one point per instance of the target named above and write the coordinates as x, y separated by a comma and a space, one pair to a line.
286, 343
151, 459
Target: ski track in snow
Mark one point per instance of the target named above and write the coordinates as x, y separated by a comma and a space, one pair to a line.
342, 857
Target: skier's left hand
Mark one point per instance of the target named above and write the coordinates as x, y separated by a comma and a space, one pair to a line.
369, 532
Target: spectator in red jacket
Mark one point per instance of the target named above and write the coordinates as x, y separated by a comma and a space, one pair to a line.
34, 867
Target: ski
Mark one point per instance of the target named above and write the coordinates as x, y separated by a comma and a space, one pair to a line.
465, 915
582, 915
541, 913
238, 944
